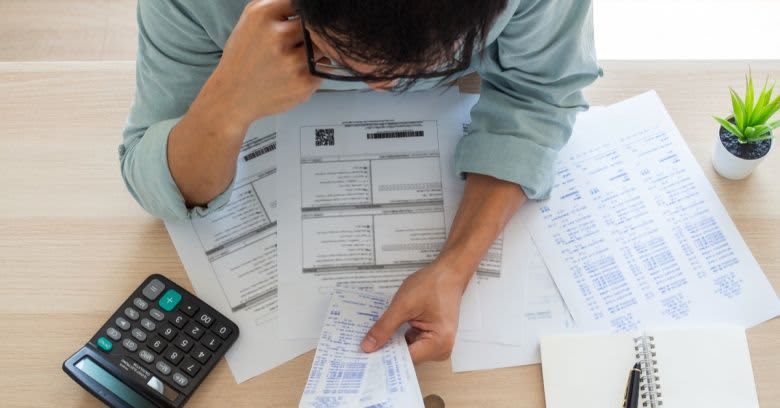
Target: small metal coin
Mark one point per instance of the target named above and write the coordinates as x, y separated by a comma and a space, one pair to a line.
433, 401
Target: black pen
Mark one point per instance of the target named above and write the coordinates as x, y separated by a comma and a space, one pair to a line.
631, 397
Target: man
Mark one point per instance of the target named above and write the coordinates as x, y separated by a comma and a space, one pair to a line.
207, 69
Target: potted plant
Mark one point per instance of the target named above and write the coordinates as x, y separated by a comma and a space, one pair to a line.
745, 138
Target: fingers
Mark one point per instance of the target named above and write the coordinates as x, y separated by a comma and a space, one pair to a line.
383, 329
278, 10
289, 33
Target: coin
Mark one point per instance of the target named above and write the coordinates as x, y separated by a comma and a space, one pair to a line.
433, 401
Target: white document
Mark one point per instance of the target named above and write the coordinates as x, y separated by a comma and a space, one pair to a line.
230, 258
342, 375
362, 202
518, 300
634, 234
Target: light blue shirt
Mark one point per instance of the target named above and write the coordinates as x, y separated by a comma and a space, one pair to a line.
539, 56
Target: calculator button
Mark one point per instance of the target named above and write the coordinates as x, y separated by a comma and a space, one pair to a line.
169, 300
105, 344
190, 367
174, 355
139, 334
178, 320
167, 331
157, 344
222, 330
113, 333
201, 354
205, 319
157, 314
188, 308
195, 330
148, 324
132, 314
122, 323
180, 380
129, 344
183, 342
153, 289
140, 303
163, 367
211, 342
146, 356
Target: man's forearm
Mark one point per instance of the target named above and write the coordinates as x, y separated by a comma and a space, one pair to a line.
486, 207
203, 147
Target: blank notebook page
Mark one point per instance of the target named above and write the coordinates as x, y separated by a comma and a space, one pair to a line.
696, 368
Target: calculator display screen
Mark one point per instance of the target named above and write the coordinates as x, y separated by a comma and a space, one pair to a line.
112, 383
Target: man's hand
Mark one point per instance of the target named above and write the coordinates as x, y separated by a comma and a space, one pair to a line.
263, 68
430, 301
430, 298
263, 71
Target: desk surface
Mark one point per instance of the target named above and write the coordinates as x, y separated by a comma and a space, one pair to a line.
73, 243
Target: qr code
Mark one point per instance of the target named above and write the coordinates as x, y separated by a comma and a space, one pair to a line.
324, 137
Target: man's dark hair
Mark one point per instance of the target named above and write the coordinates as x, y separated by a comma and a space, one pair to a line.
406, 36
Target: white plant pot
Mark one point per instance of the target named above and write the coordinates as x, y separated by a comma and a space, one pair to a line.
730, 166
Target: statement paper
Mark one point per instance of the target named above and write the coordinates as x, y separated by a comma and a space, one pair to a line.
634, 235
363, 202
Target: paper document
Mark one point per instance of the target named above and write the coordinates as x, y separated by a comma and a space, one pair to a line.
230, 258
362, 196
342, 375
634, 234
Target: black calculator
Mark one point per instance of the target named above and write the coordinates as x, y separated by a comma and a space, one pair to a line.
155, 350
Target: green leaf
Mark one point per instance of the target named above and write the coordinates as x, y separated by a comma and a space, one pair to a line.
739, 109
749, 131
759, 131
731, 128
762, 138
775, 124
766, 93
749, 97
763, 116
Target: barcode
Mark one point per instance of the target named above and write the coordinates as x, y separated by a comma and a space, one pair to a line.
261, 151
350, 375
324, 137
396, 134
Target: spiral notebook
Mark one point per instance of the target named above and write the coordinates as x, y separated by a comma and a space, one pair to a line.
680, 368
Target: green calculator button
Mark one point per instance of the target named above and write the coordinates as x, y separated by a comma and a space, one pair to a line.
105, 344
169, 300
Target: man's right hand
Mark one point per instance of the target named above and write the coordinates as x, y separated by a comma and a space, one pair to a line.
263, 71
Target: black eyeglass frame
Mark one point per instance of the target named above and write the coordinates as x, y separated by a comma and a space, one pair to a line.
312, 63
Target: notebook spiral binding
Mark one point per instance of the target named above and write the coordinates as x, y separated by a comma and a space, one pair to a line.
650, 386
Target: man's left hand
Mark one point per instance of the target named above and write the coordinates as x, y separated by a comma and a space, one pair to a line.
429, 300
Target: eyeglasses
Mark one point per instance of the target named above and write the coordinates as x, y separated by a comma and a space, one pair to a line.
339, 72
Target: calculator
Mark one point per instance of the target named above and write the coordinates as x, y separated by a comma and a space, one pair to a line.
155, 350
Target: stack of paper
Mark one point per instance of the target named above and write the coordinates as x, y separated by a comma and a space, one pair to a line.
633, 234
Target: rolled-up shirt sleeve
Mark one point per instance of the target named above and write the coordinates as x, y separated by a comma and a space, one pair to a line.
532, 81
175, 58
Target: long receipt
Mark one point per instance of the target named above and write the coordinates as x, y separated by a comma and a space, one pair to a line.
342, 375
634, 235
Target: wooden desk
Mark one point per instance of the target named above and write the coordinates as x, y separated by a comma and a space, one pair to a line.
73, 243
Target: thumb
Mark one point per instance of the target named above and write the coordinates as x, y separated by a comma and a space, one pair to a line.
384, 328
